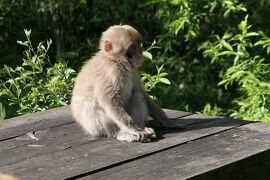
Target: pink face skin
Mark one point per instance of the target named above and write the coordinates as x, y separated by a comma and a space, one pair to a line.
134, 54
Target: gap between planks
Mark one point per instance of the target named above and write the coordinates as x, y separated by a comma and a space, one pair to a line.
231, 154
18, 126
86, 174
196, 131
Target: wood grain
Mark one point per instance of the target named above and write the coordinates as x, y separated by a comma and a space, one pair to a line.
92, 156
50, 145
227, 155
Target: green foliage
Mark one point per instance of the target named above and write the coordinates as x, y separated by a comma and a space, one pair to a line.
150, 81
247, 70
236, 58
189, 16
211, 111
2, 112
185, 26
36, 84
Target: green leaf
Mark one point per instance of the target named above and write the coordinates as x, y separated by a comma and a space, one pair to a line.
23, 43
226, 45
10, 81
163, 74
27, 32
252, 34
165, 80
3, 92
243, 9
225, 53
2, 111
69, 71
147, 55
19, 68
243, 25
227, 35
159, 69
26, 73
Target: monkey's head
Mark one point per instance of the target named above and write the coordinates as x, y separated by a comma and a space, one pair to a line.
122, 41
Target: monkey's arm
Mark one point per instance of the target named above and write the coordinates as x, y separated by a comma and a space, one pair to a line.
109, 98
153, 110
158, 114
115, 110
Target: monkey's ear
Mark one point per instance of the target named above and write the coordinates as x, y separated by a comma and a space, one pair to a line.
108, 46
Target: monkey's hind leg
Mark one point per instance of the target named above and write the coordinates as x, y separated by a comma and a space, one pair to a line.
125, 136
137, 109
94, 120
143, 136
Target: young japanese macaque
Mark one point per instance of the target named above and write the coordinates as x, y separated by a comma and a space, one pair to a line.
108, 99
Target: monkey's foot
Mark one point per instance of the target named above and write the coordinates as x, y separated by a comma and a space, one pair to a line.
127, 137
139, 136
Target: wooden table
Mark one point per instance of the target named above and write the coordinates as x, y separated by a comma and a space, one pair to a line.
49, 145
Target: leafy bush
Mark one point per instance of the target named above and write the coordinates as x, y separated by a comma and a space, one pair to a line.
211, 111
2, 112
247, 69
196, 31
150, 81
36, 84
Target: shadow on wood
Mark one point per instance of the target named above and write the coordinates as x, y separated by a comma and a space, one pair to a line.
49, 145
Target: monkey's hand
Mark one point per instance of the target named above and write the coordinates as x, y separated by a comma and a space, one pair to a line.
150, 132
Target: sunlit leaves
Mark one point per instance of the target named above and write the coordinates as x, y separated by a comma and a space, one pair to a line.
248, 72
150, 81
231, 6
264, 42
211, 110
37, 84
147, 55
2, 111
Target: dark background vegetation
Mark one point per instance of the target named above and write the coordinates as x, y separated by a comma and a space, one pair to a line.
190, 37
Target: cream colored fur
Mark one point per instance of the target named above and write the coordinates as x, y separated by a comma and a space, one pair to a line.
108, 99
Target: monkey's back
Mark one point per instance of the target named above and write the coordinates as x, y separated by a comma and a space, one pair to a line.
87, 77
102, 72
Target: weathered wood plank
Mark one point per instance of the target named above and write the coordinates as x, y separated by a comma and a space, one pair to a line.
240, 153
253, 167
51, 118
91, 157
69, 129
52, 140
47, 140
37, 121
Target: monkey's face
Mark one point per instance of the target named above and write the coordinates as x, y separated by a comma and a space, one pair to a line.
122, 41
134, 54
